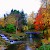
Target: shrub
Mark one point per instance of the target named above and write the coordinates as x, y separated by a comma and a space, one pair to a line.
44, 47
10, 28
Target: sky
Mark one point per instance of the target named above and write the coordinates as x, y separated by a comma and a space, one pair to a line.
27, 5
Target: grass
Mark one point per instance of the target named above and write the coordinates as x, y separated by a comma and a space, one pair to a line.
14, 36
17, 36
44, 47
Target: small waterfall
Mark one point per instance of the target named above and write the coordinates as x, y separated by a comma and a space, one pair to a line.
30, 39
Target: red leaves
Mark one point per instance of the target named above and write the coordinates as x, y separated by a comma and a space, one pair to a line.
38, 22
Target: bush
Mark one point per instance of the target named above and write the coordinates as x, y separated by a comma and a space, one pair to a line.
10, 28
12, 47
44, 47
1, 27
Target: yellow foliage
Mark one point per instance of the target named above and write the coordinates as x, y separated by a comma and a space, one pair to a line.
49, 39
2, 22
31, 18
45, 41
10, 19
25, 27
48, 31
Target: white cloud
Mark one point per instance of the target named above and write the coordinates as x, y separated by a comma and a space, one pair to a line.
27, 5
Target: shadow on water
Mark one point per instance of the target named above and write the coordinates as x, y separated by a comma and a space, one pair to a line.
29, 41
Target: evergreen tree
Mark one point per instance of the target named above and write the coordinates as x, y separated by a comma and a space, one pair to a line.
12, 11
4, 16
23, 18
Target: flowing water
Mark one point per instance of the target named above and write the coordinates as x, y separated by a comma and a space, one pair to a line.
29, 41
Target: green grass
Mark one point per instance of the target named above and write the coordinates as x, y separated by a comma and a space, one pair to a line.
15, 36
44, 47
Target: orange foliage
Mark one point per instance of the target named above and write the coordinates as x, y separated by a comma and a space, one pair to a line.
2, 22
45, 41
38, 22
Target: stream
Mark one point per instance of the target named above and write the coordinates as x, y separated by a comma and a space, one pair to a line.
27, 42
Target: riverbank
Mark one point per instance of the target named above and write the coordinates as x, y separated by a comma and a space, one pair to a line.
18, 36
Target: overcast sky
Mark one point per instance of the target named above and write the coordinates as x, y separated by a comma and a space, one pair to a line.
27, 5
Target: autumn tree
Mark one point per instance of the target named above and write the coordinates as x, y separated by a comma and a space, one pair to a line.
30, 21
39, 22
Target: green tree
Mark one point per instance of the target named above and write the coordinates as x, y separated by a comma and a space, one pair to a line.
10, 28
14, 11
21, 19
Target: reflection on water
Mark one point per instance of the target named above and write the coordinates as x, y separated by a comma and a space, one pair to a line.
29, 41
28, 48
